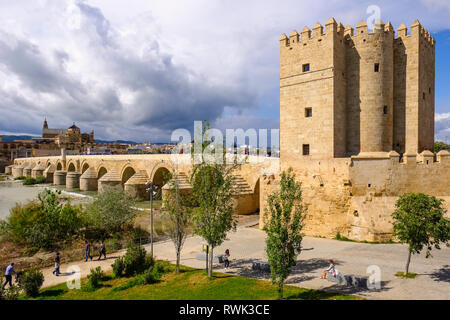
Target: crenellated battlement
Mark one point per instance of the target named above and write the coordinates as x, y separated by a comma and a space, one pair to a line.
319, 32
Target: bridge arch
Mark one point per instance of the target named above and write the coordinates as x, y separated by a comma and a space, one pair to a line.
127, 172
71, 167
59, 166
84, 167
101, 172
160, 174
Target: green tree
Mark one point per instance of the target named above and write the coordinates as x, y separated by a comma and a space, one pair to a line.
213, 187
44, 224
283, 224
109, 213
178, 207
439, 145
419, 222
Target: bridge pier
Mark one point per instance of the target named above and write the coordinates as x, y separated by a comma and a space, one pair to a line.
110, 179
38, 171
27, 169
17, 171
59, 178
136, 185
88, 180
48, 173
73, 180
8, 169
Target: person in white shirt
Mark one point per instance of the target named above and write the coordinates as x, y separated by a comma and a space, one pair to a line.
331, 269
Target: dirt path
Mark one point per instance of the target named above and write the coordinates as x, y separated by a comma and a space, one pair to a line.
248, 244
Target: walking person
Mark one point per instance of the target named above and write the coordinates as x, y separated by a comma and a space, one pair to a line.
57, 264
8, 275
87, 251
226, 258
102, 250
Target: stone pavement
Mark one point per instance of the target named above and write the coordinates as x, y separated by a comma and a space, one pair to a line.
247, 245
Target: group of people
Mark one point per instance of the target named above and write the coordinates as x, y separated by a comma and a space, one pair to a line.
87, 255
102, 252
87, 251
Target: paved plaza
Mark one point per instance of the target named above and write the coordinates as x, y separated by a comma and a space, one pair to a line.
248, 244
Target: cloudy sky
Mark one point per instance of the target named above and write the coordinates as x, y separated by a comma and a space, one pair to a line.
137, 69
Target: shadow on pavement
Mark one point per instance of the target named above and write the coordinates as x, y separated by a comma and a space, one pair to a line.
442, 274
339, 288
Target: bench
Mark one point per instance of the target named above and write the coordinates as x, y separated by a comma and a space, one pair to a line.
347, 280
260, 266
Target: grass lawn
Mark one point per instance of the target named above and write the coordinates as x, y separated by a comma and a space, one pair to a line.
190, 284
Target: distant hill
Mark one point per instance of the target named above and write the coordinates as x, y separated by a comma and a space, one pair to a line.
113, 141
10, 138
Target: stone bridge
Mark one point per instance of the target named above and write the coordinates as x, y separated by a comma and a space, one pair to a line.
131, 172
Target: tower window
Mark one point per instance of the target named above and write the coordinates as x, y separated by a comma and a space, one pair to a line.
308, 112
429, 90
377, 67
306, 67
306, 149
385, 110
424, 96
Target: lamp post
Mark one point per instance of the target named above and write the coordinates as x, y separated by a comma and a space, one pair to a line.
150, 188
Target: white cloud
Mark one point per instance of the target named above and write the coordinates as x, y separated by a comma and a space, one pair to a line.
442, 127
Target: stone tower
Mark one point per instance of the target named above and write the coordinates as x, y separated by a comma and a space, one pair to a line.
344, 94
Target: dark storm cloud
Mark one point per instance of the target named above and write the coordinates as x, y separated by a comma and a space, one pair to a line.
164, 95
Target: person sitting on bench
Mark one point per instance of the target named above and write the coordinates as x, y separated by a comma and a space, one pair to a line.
330, 269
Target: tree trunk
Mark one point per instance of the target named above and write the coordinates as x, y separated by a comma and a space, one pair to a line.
280, 290
407, 262
211, 258
178, 261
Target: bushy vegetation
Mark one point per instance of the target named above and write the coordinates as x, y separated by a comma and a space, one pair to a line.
134, 262
109, 214
29, 181
94, 279
32, 281
20, 178
49, 223
439, 145
283, 226
45, 223
419, 221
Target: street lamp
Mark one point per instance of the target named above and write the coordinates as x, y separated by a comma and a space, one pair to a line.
151, 188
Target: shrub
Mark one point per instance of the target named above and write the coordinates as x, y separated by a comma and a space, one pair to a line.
20, 178
135, 260
114, 243
43, 224
41, 179
32, 281
111, 211
152, 274
29, 181
118, 267
95, 277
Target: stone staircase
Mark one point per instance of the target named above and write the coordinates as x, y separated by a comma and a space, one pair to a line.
241, 186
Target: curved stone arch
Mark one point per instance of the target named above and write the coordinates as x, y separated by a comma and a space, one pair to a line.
71, 166
84, 166
59, 166
101, 171
48, 163
127, 172
157, 174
